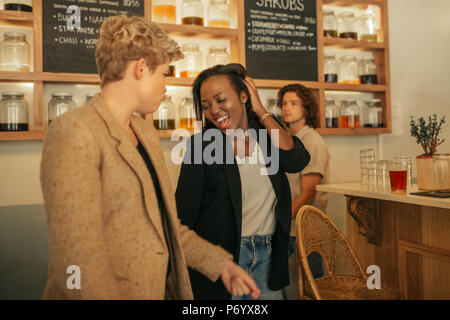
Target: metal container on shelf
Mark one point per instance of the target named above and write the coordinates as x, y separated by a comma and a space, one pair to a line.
350, 114
349, 70
60, 104
192, 64
14, 52
164, 11
374, 114
331, 68
13, 112
367, 71
331, 114
192, 12
217, 55
187, 113
18, 5
218, 14
330, 23
164, 117
347, 25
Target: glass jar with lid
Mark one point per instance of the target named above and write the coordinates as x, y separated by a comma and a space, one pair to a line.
349, 116
217, 55
218, 14
331, 114
374, 114
164, 117
18, 5
164, 11
348, 70
192, 63
13, 112
368, 71
192, 12
187, 113
331, 68
14, 52
347, 25
60, 104
329, 23
367, 28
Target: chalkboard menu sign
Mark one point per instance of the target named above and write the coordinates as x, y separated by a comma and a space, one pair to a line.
70, 30
281, 39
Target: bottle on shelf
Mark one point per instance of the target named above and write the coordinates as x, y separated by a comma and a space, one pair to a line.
329, 23
164, 11
368, 71
349, 70
347, 25
192, 64
331, 114
349, 115
171, 72
218, 14
192, 12
331, 68
367, 28
374, 114
13, 112
164, 117
59, 104
14, 52
18, 5
187, 113
217, 55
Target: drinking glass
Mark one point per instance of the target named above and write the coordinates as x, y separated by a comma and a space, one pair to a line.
367, 157
441, 163
405, 161
398, 174
383, 182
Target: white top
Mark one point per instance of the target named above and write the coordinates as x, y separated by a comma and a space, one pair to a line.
258, 197
355, 189
319, 163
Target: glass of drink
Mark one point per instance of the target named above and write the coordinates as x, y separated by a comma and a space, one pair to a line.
405, 161
398, 175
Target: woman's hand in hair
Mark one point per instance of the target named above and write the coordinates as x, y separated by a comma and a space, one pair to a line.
237, 281
257, 105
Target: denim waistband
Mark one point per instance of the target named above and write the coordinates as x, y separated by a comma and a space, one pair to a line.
263, 239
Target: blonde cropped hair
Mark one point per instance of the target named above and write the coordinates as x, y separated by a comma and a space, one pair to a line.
123, 39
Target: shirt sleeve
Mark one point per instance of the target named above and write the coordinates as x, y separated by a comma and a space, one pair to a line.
318, 162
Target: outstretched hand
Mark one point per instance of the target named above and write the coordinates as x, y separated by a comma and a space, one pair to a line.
237, 281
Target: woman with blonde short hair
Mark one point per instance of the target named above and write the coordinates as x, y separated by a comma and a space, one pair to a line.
110, 207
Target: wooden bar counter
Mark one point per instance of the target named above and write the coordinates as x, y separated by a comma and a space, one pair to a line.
407, 236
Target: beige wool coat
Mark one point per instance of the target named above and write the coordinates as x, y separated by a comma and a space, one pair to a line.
103, 214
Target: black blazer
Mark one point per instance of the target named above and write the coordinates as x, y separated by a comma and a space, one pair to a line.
209, 201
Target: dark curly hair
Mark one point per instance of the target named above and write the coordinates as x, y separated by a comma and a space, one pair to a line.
308, 101
236, 73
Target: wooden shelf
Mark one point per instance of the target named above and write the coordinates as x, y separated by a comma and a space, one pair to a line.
357, 4
199, 31
17, 76
16, 16
264, 83
68, 77
22, 135
167, 134
354, 87
351, 131
352, 44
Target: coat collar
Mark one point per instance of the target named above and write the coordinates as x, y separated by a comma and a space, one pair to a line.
150, 141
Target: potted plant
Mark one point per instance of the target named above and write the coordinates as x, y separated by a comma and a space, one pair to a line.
427, 135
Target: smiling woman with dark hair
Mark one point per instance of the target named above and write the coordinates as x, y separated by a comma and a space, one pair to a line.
239, 205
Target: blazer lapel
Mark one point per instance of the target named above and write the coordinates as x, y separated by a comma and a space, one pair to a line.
132, 157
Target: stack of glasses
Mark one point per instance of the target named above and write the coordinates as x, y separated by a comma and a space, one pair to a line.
367, 157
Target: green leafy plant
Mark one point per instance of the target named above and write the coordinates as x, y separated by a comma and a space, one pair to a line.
426, 133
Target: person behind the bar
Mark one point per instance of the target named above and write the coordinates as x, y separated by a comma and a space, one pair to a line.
233, 204
300, 112
111, 211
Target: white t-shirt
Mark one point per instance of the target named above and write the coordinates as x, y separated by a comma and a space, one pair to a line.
319, 163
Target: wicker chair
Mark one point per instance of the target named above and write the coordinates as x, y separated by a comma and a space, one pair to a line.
344, 278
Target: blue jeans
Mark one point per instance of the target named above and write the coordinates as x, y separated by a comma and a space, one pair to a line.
256, 258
